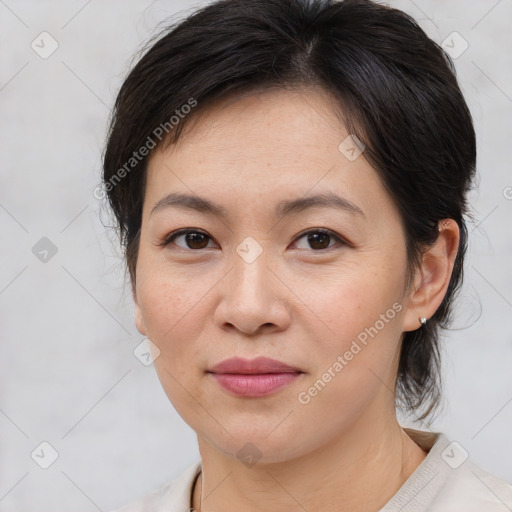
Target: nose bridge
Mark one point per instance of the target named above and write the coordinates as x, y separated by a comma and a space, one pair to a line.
251, 295
251, 275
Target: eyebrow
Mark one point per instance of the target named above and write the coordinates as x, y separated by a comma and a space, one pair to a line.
284, 208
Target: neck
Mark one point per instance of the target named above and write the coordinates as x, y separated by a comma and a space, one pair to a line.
358, 472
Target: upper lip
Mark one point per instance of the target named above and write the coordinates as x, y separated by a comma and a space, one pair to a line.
253, 366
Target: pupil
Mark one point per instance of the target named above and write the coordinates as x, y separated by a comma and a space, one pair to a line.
193, 238
313, 239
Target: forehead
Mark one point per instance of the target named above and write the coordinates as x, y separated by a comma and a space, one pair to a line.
274, 120
262, 145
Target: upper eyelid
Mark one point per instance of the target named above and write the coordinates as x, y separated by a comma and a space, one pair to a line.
340, 239
180, 232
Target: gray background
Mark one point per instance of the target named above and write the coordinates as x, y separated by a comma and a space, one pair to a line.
68, 375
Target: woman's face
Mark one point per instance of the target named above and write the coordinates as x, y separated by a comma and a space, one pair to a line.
258, 278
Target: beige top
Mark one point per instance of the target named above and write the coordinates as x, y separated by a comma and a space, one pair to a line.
446, 481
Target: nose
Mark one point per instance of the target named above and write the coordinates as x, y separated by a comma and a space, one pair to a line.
253, 299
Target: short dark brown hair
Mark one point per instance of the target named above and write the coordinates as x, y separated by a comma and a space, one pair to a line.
398, 94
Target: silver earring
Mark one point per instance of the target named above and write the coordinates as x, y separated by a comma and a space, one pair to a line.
423, 320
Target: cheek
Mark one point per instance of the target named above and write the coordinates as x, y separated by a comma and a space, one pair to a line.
348, 300
362, 311
165, 294
170, 305
355, 368
171, 308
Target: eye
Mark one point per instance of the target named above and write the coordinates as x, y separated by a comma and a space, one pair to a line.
193, 239
319, 239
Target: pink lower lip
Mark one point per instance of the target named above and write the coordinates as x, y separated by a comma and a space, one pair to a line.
254, 384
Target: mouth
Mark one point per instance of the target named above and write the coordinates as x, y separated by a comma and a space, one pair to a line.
254, 378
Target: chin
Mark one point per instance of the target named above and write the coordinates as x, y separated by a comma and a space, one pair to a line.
259, 448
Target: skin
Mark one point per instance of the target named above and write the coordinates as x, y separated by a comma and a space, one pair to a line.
297, 302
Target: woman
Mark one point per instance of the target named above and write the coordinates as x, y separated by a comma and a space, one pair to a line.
289, 179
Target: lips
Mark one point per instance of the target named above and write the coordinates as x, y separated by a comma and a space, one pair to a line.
260, 365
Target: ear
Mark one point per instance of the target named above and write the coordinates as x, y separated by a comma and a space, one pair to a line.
139, 319
433, 276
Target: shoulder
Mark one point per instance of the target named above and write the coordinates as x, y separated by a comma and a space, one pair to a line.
171, 497
448, 481
468, 488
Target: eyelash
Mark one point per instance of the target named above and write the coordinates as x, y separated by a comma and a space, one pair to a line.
172, 236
